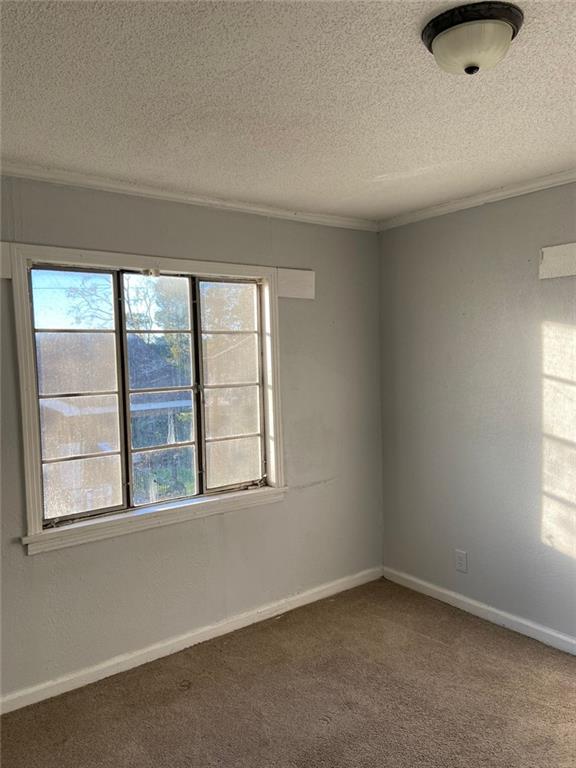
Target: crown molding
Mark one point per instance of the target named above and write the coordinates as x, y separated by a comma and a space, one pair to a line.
473, 201
71, 178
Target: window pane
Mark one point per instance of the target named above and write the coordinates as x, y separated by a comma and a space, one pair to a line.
230, 359
73, 426
159, 360
76, 362
166, 474
156, 303
228, 306
233, 411
82, 485
231, 462
62, 300
161, 418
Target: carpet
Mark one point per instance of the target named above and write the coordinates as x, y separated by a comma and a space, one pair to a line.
376, 677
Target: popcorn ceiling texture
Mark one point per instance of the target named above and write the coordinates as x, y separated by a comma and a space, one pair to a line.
324, 107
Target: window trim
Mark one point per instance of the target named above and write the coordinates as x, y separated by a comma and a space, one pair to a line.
38, 538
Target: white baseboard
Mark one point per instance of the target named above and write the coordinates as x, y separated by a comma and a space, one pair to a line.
46, 690
495, 615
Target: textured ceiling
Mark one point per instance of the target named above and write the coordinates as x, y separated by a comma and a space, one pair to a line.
326, 107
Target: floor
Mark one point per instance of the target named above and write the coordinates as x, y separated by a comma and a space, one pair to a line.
377, 677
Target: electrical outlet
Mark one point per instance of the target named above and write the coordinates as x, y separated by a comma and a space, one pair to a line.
461, 560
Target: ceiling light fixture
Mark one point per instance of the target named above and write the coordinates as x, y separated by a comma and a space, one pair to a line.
469, 38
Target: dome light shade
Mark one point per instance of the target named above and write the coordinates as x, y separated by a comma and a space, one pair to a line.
470, 38
476, 45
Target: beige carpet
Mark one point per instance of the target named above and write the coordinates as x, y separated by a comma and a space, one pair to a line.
377, 677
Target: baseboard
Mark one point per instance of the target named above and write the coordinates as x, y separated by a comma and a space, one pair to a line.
46, 690
495, 615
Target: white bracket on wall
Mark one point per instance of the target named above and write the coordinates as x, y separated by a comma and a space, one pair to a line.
296, 283
5, 261
558, 261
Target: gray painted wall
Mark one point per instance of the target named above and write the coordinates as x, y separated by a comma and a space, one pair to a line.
462, 391
469, 333
72, 608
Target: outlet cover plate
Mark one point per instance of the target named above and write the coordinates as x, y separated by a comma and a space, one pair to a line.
461, 560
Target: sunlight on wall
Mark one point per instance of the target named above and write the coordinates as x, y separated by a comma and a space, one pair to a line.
559, 526
559, 409
559, 469
559, 351
559, 439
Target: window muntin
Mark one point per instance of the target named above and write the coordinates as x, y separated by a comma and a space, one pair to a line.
167, 400
161, 418
232, 382
160, 387
72, 299
78, 486
76, 346
65, 358
79, 426
156, 303
163, 474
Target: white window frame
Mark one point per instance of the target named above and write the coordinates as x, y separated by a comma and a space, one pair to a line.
40, 539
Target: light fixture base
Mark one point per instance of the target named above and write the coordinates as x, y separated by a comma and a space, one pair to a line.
462, 14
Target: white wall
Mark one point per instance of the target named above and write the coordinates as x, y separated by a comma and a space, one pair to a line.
72, 608
471, 338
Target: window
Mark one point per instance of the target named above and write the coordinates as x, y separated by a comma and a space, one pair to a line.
149, 388
144, 389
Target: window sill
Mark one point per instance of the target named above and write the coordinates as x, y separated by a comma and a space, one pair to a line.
141, 519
